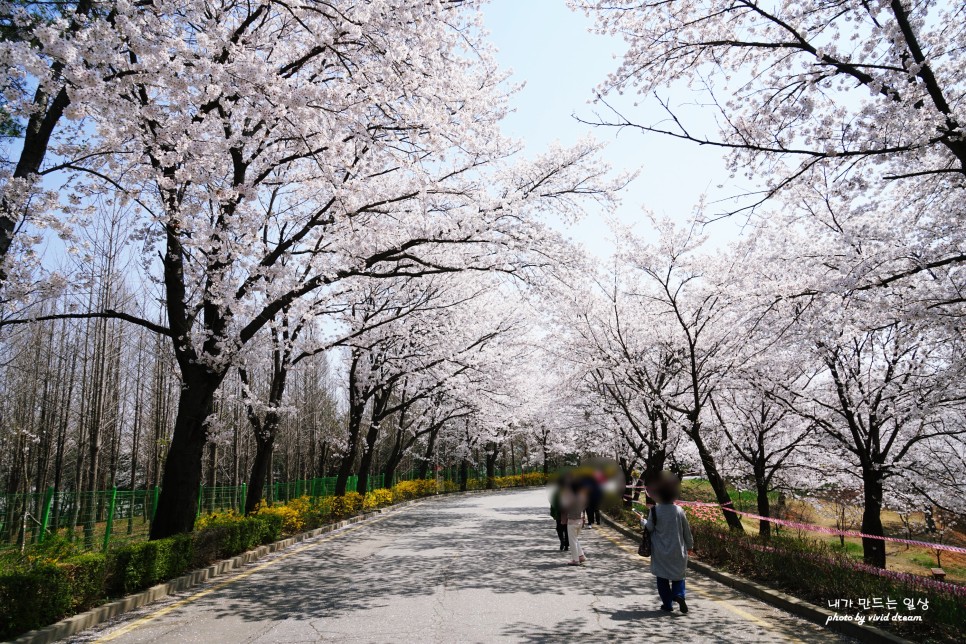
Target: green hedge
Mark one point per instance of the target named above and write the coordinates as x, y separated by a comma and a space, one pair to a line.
36, 595
142, 565
222, 540
38, 591
52, 581
814, 571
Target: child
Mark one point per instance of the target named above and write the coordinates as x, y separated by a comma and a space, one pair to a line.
670, 541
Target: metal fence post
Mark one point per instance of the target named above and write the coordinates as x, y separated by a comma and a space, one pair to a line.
45, 517
110, 518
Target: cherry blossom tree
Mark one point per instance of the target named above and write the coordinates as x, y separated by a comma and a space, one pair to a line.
767, 438
884, 393
367, 145
48, 51
872, 87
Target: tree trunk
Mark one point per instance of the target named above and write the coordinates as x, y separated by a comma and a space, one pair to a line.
764, 527
873, 550
430, 446
491, 455
349, 457
357, 406
395, 457
717, 483
369, 450
464, 474
259, 473
178, 503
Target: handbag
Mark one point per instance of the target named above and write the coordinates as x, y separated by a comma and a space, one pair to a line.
644, 549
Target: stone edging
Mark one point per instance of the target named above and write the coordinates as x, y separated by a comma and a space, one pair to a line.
82, 621
778, 599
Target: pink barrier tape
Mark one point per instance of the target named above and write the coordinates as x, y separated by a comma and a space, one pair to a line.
906, 577
832, 531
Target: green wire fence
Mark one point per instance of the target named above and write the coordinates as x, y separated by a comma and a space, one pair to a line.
103, 519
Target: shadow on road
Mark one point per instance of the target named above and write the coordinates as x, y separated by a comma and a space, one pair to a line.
473, 568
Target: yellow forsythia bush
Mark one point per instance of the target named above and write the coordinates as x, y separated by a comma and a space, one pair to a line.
376, 499
449, 486
216, 518
404, 491
293, 521
534, 478
345, 506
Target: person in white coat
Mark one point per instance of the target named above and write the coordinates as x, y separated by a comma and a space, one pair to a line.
573, 501
670, 541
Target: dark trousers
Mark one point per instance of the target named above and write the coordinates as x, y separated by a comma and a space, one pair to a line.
668, 590
562, 534
593, 514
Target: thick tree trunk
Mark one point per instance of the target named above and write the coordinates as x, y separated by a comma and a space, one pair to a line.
178, 503
259, 474
357, 406
656, 460
873, 550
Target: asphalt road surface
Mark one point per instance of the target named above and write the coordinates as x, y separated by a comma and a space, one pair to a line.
461, 568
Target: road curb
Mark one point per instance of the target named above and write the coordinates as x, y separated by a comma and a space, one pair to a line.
778, 599
96, 616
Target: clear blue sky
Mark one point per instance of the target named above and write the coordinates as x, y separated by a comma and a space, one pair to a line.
548, 47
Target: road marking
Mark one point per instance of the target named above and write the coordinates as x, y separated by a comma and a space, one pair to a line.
187, 600
701, 593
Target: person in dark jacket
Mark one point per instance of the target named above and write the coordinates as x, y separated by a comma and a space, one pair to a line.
595, 494
561, 518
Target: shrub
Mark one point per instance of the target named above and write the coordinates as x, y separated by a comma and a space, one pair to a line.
39, 593
141, 565
376, 499
449, 486
228, 534
347, 505
817, 572
404, 491
533, 478
33, 597
87, 576
291, 516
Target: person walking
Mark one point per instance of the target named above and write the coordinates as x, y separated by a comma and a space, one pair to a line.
560, 516
670, 541
573, 501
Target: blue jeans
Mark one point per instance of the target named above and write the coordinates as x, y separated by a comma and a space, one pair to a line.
668, 590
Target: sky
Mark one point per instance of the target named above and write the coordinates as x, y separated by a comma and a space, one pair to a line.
549, 49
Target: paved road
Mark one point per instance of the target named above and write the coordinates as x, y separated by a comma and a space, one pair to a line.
478, 568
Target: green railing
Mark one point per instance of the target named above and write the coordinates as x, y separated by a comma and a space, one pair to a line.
107, 518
